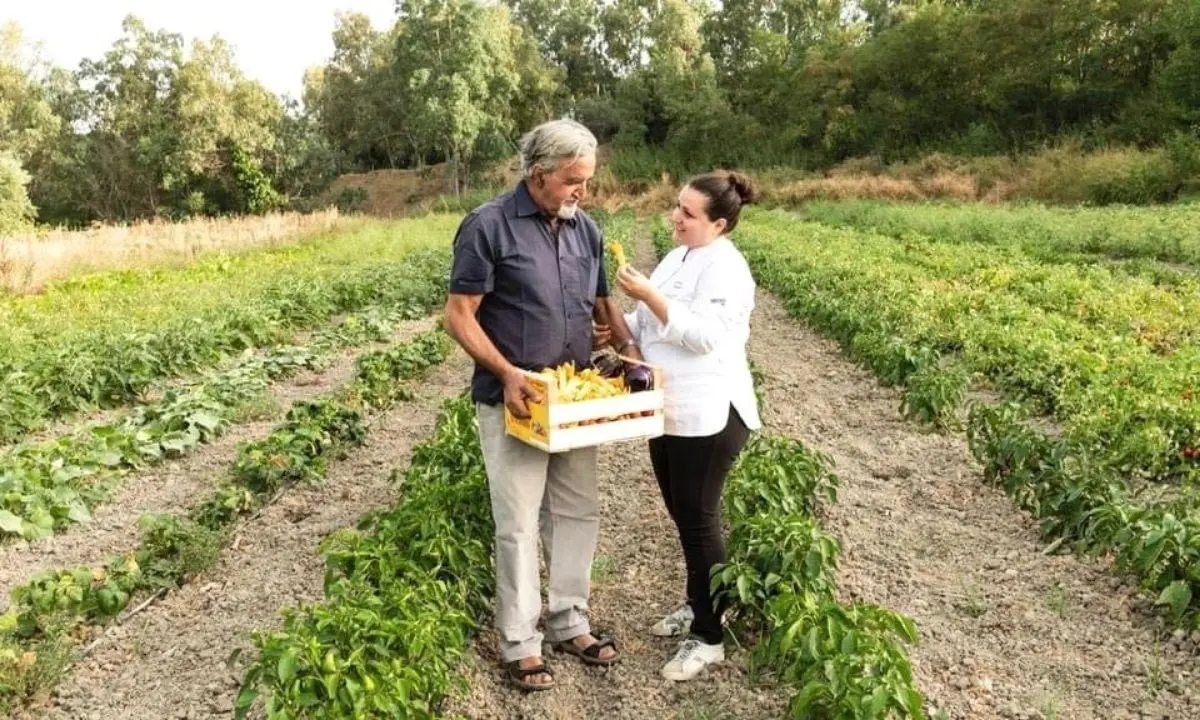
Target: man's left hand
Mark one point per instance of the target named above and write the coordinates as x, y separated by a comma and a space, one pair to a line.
601, 336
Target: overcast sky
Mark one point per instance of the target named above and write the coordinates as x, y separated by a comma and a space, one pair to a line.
70, 30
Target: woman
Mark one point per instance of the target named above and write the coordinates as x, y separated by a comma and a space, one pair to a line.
693, 320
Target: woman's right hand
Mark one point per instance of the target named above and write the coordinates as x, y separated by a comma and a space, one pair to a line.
634, 283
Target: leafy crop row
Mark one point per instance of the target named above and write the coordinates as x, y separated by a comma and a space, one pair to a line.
104, 343
934, 317
844, 661
56, 606
46, 486
1115, 360
1090, 508
404, 594
1164, 233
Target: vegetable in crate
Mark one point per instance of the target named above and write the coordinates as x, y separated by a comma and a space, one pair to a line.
587, 384
609, 365
639, 378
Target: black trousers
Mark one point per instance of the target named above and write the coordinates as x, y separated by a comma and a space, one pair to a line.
691, 474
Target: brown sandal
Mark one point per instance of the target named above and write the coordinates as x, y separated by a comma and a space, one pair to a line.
516, 675
591, 653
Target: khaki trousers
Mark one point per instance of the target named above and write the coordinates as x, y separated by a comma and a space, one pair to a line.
536, 493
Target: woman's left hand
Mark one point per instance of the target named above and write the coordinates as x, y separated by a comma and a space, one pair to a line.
635, 284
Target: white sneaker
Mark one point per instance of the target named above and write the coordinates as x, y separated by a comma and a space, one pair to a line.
679, 622
693, 656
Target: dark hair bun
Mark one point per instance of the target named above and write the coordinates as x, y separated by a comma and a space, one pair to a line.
727, 191
744, 187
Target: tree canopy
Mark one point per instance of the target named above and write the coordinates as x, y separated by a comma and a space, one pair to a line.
154, 128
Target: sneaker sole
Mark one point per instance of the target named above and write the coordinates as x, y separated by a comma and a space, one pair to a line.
684, 678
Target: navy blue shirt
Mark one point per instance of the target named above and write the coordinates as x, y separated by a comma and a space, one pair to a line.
538, 290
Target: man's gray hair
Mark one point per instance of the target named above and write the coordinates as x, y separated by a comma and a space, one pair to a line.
552, 142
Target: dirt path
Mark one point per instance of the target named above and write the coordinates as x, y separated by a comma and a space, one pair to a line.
638, 576
1007, 632
169, 662
172, 486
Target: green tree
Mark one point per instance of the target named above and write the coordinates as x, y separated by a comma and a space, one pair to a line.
129, 111
304, 161
27, 121
214, 106
460, 75
1179, 81
356, 99
569, 36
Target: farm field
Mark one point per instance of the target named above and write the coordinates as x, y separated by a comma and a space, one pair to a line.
105, 340
1109, 359
1169, 234
297, 524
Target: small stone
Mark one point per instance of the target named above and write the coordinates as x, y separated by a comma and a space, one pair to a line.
986, 684
1152, 711
991, 564
1121, 715
962, 683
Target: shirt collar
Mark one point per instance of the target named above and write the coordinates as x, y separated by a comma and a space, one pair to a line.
526, 207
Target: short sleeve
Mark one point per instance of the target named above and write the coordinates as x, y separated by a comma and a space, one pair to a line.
472, 270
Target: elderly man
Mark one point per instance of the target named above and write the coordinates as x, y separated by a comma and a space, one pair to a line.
527, 280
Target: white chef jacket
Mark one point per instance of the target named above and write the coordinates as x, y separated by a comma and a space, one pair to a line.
702, 348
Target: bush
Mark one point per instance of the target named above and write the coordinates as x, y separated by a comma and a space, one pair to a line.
1067, 175
351, 199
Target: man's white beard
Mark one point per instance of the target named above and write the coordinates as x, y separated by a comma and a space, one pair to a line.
566, 211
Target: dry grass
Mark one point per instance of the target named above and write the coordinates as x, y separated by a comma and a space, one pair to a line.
845, 186
397, 193
28, 261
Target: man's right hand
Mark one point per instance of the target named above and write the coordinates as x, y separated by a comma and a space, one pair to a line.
516, 390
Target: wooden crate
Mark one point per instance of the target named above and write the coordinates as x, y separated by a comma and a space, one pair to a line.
556, 426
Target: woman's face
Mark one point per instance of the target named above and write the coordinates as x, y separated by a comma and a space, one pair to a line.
690, 222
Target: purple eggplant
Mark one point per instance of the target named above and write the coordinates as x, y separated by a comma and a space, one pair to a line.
639, 378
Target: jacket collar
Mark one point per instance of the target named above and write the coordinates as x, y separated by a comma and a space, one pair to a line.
717, 243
